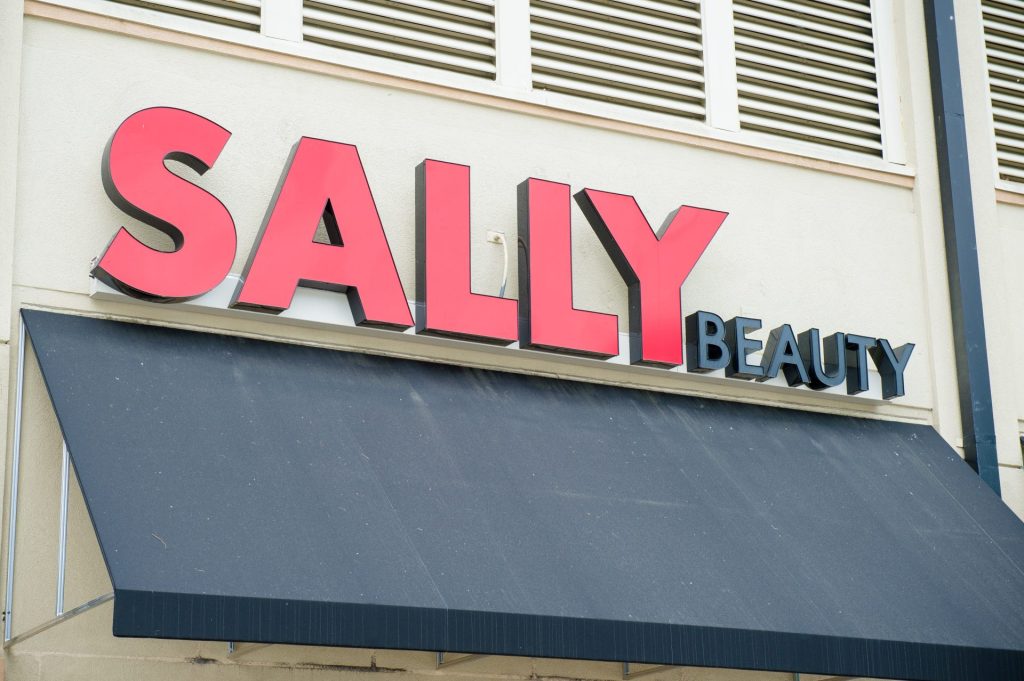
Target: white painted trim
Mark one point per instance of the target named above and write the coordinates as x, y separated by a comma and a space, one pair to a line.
999, 183
890, 110
1011, 193
12, 26
314, 308
658, 122
512, 43
281, 19
1007, 185
721, 94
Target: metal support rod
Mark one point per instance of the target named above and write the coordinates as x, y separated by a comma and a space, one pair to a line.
73, 612
12, 512
235, 649
441, 662
627, 674
62, 549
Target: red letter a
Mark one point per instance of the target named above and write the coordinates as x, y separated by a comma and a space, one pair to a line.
326, 180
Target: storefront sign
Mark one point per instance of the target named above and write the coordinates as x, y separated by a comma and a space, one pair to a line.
325, 180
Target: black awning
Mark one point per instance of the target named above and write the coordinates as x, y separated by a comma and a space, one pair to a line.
252, 491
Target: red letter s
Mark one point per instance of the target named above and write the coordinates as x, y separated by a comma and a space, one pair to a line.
137, 181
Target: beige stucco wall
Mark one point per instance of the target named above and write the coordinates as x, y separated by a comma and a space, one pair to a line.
802, 245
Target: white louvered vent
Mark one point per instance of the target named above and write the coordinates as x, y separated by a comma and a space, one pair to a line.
238, 13
644, 54
806, 70
1004, 45
454, 35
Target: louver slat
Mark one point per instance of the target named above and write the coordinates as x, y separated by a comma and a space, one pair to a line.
644, 54
453, 35
238, 13
1004, 45
806, 70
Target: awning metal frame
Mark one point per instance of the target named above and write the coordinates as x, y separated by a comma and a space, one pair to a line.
12, 511
442, 662
628, 673
62, 546
60, 614
235, 650
63, 617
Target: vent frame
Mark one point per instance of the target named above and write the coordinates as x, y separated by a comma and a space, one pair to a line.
512, 77
242, 14
1004, 71
809, 70
647, 55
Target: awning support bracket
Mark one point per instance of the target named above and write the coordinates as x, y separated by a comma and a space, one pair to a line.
64, 617
442, 662
235, 650
628, 674
12, 514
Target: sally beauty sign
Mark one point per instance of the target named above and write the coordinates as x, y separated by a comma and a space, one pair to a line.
325, 180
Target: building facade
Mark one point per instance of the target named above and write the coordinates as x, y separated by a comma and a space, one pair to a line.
811, 124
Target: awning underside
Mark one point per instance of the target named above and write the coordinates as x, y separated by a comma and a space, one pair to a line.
252, 491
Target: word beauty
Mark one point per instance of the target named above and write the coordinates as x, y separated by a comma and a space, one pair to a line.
325, 181
804, 359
